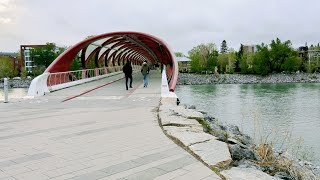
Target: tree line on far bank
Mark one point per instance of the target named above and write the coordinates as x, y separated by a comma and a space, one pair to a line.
276, 57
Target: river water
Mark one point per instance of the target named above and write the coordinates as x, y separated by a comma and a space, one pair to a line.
14, 93
288, 115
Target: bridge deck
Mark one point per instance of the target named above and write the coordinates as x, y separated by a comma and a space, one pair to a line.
106, 133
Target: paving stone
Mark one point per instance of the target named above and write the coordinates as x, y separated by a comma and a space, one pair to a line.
188, 113
8, 178
172, 174
92, 175
212, 177
24, 159
146, 174
181, 129
199, 173
52, 138
43, 131
188, 137
120, 167
177, 164
6, 163
14, 170
178, 121
149, 158
213, 153
246, 174
173, 151
31, 157
31, 176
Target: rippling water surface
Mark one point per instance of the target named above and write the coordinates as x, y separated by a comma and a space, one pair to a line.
14, 93
286, 114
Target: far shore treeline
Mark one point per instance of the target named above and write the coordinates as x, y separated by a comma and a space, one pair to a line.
277, 57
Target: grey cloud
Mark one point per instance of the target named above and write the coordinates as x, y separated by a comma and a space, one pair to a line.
183, 24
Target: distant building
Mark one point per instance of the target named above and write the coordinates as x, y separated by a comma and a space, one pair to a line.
310, 56
303, 52
26, 61
184, 63
314, 58
12, 57
249, 49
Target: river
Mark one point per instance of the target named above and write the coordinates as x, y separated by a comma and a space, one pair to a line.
288, 115
14, 93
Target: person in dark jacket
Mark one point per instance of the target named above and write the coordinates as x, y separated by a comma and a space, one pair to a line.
127, 69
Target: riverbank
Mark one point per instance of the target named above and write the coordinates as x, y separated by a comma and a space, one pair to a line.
226, 150
17, 83
198, 79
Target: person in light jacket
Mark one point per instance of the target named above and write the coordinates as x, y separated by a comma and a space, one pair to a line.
145, 72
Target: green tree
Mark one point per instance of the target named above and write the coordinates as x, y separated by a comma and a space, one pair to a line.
226, 62
6, 68
246, 64
44, 56
239, 55
222, 62
75, 65
212, 62
261, 60
179, 54
292, 63
203, 57
224, 47
195, 62
278, 53
91, 64
232, 58
90, 36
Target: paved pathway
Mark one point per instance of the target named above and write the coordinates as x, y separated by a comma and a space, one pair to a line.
107, 133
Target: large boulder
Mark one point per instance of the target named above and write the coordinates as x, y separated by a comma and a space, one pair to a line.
239, 153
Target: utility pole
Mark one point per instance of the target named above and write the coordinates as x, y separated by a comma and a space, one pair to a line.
5, 90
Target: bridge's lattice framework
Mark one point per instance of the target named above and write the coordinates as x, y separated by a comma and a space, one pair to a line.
114, 49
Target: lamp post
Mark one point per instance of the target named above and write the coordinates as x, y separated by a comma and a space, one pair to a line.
5, 86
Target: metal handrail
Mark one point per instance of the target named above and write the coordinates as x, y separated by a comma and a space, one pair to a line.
71, 76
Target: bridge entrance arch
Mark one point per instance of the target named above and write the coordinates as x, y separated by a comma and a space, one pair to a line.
113, 49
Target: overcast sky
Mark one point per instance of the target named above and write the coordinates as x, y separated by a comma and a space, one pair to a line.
183, 24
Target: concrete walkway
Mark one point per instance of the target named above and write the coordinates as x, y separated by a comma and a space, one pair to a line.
107, 133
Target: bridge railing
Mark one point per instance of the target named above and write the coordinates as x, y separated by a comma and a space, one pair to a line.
66, 79
166, 94
49, 82
70, 76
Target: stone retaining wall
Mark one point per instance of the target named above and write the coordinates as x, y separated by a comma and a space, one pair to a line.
195, 79
223, 148
15, 83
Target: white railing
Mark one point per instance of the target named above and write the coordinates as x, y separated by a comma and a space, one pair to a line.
166, 94
82, 76
70, 76
48, 82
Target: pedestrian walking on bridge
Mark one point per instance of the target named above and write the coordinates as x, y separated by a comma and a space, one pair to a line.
145, 72
127, 70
